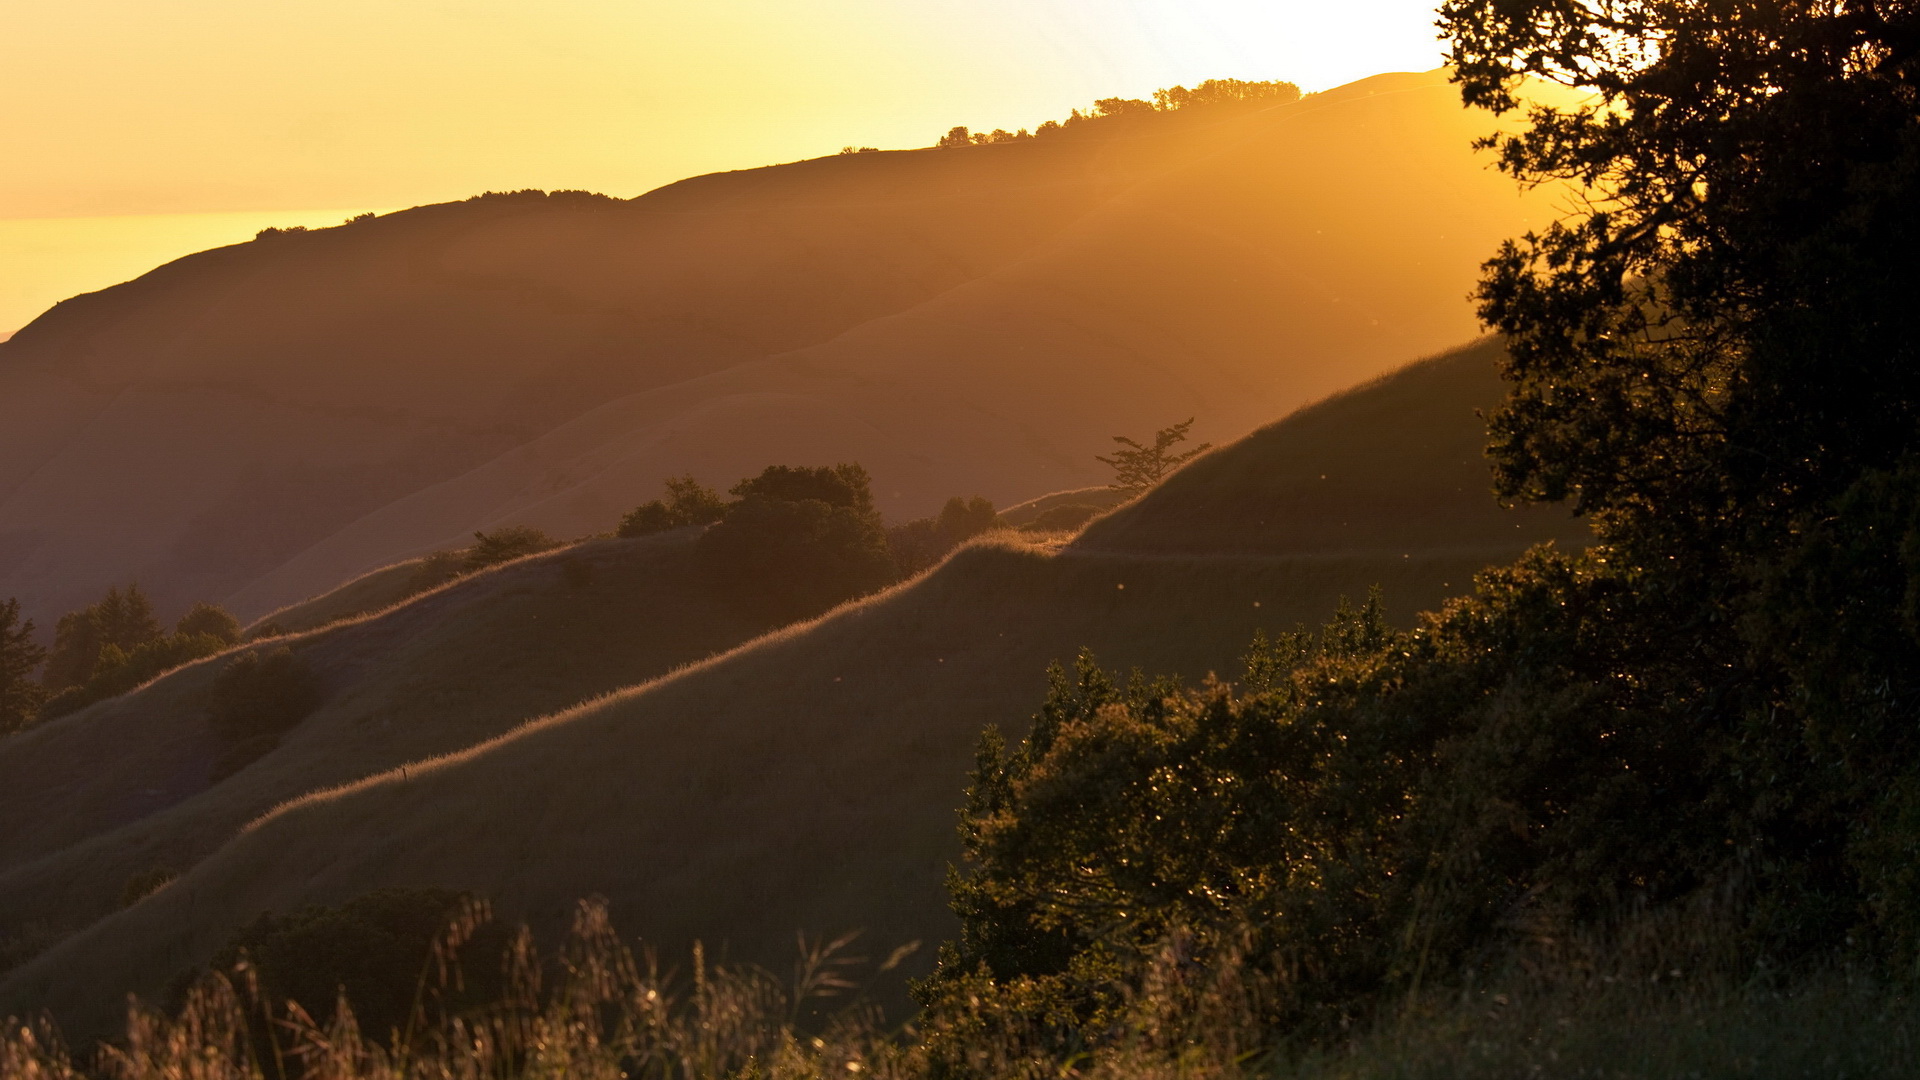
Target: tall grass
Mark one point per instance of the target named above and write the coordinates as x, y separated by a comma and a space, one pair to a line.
600, 1011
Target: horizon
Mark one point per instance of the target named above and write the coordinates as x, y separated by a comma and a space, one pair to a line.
133, 149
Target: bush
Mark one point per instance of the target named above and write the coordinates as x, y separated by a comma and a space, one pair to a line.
506, 544
209, 620
798, 541
922, 542
256, 699
688, 503
378, 949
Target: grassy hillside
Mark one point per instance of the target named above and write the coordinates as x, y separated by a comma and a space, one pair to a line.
126, 787
1386, 469
808, 780
282, 415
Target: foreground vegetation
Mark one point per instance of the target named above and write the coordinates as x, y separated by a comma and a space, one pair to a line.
595, 1008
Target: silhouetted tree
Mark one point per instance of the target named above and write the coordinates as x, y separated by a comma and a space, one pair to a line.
1140, 466
798, 541
20, 655
688, 503
209, 620
123, 620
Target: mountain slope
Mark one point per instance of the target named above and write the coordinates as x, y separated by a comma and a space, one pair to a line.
256, 423
126, 787
808, 780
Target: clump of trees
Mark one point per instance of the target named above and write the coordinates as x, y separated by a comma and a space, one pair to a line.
108, 648
1138, 466
922, 542
797, 541
258, 697
1212, 93
688, 503
1710, 718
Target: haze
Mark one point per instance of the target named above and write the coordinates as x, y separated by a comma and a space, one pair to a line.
245, 115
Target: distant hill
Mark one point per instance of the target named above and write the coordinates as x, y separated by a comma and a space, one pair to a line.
253, 424
809, 779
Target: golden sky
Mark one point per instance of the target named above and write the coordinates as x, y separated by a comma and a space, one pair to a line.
241, 113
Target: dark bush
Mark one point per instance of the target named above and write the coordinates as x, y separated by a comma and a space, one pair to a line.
506, 544
209, 620
919, 544
688, 503
257, 698
380, 949
799, 541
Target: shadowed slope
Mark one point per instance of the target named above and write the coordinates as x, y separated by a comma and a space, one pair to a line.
124, 787
1385, 469
254, 424
809, 779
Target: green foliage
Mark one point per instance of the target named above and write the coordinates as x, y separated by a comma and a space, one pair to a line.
119, 646
688, 503
799, 540
506, 544
209, 620
258, 697
121, 619
20, 655
379, 950
1139, 466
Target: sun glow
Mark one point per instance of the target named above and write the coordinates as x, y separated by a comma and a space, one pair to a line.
124, 108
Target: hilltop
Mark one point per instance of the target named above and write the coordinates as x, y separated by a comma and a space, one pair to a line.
253, 424
808, 780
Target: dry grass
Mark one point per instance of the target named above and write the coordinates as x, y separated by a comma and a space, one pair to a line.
805, 780
598, 1008
124, 789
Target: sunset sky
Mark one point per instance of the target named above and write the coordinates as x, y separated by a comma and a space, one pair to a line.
149, 129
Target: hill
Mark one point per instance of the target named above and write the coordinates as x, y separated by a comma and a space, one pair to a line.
253, 424
130, 787
808, 780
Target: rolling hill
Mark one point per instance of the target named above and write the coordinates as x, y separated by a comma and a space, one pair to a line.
808, 779
253, 424
128, 786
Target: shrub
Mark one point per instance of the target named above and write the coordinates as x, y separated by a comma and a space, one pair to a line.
922, 542
378, 950
209, 620
257, 698
798, 541
506, 544
688, 503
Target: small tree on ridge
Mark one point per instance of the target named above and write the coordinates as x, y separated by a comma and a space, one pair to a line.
1139, 466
